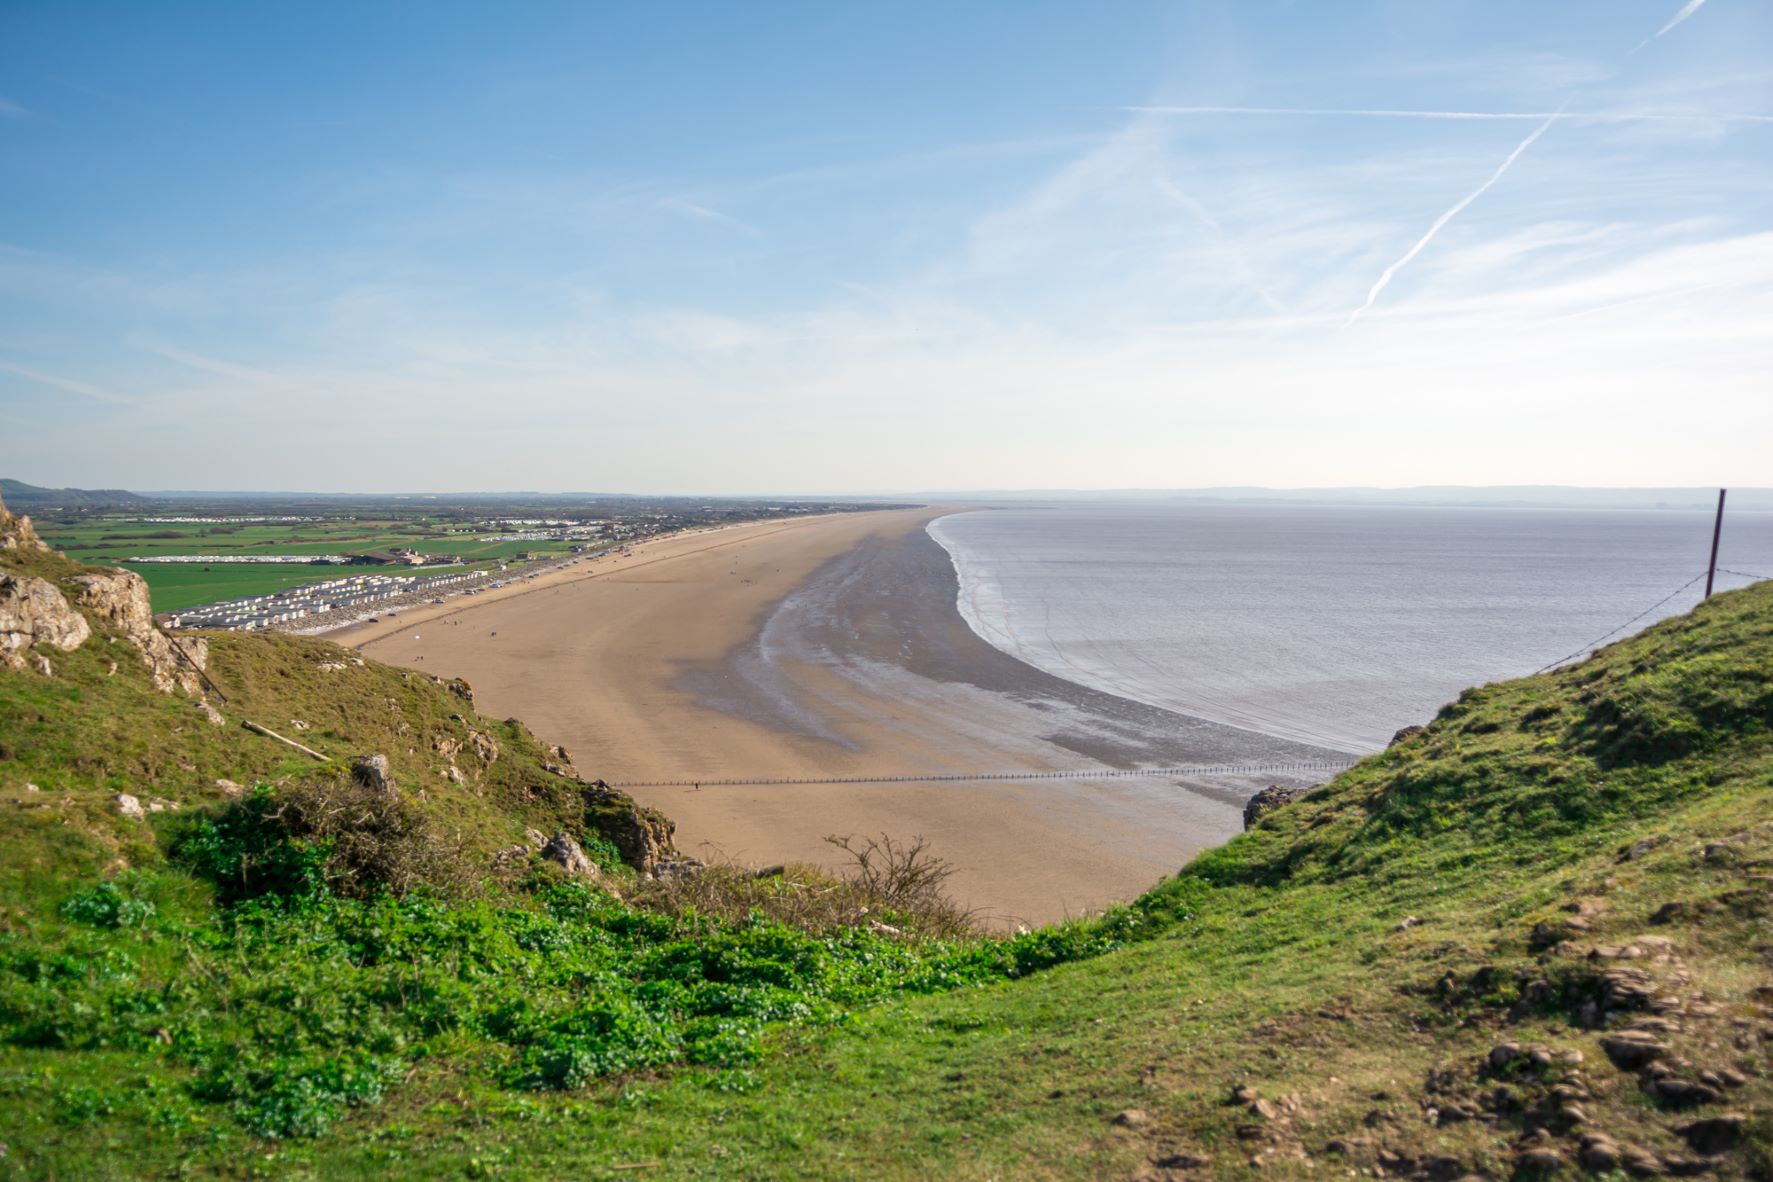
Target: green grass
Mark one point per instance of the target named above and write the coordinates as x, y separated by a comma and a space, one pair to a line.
529, 1030
174, 587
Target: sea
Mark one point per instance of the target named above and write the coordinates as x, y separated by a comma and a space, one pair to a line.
1329, 625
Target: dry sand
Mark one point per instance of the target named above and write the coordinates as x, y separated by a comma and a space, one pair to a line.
830, 646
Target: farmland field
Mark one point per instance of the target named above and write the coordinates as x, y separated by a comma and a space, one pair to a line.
176, 586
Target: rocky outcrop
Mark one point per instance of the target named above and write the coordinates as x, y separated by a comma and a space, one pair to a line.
121, 598
16, 532
35, 615
1269, 799
644, 837
569, 855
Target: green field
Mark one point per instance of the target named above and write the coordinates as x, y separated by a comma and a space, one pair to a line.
176, 587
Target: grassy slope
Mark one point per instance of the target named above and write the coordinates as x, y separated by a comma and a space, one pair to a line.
1280, 962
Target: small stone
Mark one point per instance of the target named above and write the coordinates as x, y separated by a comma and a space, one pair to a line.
1640, 1162
1681, 1093
1244, 1094
1131, 1118
1264, 1109
1183, 1161
130, 807
1599, 1153
1502, 1054
1714, 1134
535, 838
30, 787
454, 775
1406, 923
1632, 1049
230, 789
1542, 1160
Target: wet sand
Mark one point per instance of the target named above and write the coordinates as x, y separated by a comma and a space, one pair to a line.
831, 647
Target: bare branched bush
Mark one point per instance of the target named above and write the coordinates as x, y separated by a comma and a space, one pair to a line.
377, 840
891, 887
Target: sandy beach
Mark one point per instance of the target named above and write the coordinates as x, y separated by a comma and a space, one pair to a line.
831, 647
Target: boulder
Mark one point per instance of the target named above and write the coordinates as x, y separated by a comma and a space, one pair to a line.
1405, 734
1269, 799
569, 855
372, 771
128, 806
34, 614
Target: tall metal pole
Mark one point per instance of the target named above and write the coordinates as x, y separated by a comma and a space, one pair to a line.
1717, 529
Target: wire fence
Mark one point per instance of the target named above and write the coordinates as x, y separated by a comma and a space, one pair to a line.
1606, 636
1305, 767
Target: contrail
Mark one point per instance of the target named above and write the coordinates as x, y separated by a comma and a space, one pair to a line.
1405, 113
1687, 10
1449, 216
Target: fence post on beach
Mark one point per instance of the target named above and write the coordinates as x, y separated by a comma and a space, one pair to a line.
1717, 529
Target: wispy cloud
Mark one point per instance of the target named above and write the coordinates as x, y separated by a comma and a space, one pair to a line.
11, 110
69, 385
1441, 222
1480, 116
198, 361
1687, 10
700, 212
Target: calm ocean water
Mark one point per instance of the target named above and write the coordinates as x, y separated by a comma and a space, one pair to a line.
1329, 625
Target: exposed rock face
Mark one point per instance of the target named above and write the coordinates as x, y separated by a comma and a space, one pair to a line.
34, 614
644, 837
121, 597
16, 532
1406, 733
1269, 799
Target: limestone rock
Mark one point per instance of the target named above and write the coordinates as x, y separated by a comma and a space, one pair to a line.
485, 746
1267, 800
535, 838
34, 614
16, 533
121, 598
644, 837
130, 807
569, 855
1131, 1118
372, 771
230, 789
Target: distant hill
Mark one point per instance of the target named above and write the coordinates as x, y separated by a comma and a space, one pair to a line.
30, 497
1501, 496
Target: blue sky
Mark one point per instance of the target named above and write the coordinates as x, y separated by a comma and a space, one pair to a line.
820, 248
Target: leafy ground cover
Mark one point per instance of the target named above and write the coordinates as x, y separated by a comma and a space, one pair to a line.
1531, 941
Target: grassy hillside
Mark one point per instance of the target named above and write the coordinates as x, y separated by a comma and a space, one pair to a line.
1531, 941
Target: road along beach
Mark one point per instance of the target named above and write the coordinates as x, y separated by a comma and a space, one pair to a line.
831, 648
